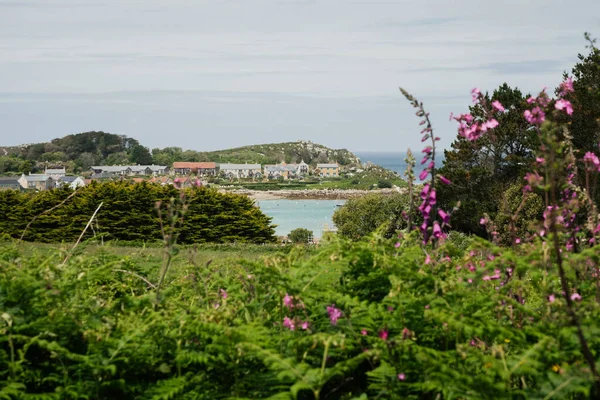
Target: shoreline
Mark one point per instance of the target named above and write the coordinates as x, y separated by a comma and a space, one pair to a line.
307, 194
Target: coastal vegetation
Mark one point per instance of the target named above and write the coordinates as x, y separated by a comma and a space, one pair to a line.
367, 178
78, 152
132, 212
404, 308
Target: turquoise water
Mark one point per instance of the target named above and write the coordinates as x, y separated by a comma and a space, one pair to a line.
291, 214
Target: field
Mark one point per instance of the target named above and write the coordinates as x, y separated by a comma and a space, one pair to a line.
347, 320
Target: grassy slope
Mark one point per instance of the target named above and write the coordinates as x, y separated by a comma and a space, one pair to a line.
289, 152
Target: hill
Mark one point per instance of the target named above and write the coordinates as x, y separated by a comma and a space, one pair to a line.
289, 152
80, 151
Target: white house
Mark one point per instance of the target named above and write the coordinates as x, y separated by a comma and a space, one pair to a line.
56, 173
129, 170
36, 181
72, 181
240, 170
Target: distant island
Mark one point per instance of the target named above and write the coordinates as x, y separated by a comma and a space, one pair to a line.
78, 152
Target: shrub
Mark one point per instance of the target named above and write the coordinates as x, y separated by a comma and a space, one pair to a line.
300, 235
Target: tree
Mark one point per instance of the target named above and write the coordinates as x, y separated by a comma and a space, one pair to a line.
26, 167
140, 155
300, 235
363, 215
481, 170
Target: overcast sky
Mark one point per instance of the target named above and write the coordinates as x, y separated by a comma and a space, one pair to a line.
222, 73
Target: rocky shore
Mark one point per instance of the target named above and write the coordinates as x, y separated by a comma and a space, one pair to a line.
309, 194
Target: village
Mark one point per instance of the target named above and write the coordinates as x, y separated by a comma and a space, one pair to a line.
57, 177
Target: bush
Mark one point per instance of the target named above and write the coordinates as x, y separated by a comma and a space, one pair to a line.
128, 213
363, 215
384, 184
300, 235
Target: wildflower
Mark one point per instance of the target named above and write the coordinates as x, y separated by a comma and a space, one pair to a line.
535, 117
444, 180
566, 87
383, 334
397, 245
592, 159
405, 333
475, 92
427, 259
334, 314
444, 216
564, 105
530, 100
401, 377
540, 160
423, 174
551, 298
223, 293
518, 240
427, 307
289, 323
576, 297
390, 308
364, 332
288, 301
491, 124
497, 105
482, 221
304, 325
437, 231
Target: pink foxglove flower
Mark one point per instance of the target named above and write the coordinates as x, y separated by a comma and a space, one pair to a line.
497, 106
564, 105
444, 180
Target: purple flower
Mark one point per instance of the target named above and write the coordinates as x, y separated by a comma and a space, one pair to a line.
288, 301
289, 323
223, 293
437, 231
383, 334
444, 216
304, 325
444, 180
334, 314
364, 332
423, 174
551, 298
401, 377
576, 297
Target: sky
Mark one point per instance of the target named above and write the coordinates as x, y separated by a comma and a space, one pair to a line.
207, 75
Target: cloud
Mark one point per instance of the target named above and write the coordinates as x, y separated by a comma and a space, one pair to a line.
270, 69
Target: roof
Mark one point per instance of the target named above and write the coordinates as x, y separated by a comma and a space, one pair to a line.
55, 170
119, 168
328, 166
194, 165
68, 179
239, 166
8, 180
36, 177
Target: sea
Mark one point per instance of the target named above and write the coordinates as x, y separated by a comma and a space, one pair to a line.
316, 215
395, 161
